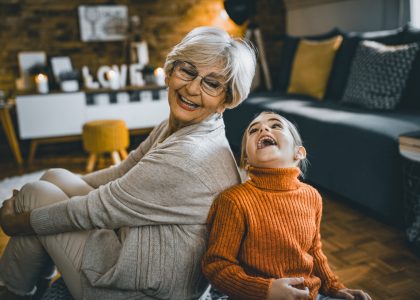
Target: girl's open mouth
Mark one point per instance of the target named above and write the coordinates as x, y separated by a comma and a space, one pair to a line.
266, 141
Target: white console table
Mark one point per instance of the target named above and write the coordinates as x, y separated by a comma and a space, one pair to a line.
58, 117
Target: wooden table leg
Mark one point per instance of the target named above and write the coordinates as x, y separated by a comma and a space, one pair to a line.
115, 157
123, 154
10, 134
91, 162
32, 151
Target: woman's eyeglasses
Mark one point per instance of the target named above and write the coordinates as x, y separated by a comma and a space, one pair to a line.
188, 72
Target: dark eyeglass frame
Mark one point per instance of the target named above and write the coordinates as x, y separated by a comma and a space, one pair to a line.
203, 88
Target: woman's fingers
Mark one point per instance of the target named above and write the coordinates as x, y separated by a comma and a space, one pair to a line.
6, 211
8, 206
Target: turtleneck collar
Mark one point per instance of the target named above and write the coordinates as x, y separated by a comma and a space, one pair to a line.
276, 179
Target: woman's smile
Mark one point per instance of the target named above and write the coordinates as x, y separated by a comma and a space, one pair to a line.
186, 104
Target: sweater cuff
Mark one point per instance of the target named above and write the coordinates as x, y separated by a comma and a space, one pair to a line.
42, 219
270, 283
259, 289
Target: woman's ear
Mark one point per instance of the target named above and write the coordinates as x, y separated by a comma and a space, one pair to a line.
300, 153
166, 79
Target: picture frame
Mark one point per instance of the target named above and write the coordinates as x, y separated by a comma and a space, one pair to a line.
100, 23
27, 60
60, 64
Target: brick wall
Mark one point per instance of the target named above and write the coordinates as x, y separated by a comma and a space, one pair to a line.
52, 26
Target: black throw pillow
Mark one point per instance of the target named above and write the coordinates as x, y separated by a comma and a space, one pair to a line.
378, 74
288, 52
342, 62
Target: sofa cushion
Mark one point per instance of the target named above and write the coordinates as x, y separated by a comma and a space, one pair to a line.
342, 63
290, 44
378, 74
312, 66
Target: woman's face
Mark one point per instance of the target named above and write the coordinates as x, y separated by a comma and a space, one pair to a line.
194, 93
269, 143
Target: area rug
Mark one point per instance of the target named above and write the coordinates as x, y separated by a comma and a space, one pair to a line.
16, 182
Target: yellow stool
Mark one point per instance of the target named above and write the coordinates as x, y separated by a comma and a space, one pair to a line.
105, 136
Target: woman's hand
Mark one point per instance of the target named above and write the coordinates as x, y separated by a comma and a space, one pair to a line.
14, 223
352, 294
282, 289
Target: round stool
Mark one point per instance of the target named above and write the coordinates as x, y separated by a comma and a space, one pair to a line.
105, 136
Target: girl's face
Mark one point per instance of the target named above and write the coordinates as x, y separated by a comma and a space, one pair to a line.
270, 144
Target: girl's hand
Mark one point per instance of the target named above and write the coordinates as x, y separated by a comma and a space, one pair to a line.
282, 289
14, 223
352, 294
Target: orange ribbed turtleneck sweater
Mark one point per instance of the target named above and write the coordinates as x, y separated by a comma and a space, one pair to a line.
264, 229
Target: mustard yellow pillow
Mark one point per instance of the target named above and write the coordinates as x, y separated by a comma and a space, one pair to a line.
312, 66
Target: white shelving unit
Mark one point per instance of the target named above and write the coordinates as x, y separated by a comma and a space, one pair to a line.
63, 114
59, 117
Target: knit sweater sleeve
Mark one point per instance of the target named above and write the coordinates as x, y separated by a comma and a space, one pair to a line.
220, 263
329, 281
163, 188
101, 177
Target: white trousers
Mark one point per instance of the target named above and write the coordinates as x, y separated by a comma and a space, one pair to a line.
26, 259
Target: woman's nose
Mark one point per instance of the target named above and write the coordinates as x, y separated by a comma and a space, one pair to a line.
194, 86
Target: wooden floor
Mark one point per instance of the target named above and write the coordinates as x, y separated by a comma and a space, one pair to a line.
364, 252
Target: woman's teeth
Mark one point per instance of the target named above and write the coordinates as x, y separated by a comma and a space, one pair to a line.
189, 103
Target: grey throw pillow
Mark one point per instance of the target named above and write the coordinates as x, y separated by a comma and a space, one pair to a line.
378, 74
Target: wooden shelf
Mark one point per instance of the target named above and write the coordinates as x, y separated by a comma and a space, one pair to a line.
125, 89
147, 87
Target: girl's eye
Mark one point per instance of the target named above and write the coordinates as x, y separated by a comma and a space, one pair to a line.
276, 125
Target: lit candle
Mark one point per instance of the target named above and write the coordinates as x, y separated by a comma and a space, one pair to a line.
159, 76
41, 81
113, 78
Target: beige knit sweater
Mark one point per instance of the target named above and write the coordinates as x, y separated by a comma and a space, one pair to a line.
159, 198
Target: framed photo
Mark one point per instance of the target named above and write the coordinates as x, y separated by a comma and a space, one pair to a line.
103, 22
60, 64
27, 60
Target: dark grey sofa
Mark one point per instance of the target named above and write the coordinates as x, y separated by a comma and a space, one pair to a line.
353, 152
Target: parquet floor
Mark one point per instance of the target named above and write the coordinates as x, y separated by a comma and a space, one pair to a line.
364, 252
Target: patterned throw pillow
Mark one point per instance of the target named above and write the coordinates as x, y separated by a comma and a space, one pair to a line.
378, 74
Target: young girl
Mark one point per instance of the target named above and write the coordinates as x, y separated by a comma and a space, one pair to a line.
265, 233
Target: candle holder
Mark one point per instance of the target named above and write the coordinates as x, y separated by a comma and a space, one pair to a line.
159, 76
41, 81
113, 79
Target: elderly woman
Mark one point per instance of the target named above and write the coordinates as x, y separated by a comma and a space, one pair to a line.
137, 230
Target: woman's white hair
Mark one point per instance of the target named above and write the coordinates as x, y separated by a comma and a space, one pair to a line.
210, 46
